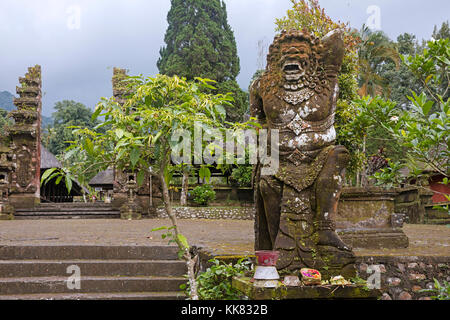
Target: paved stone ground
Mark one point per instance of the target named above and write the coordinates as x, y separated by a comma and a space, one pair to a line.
221, 237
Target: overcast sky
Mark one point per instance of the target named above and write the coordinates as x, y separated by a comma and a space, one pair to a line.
77, 42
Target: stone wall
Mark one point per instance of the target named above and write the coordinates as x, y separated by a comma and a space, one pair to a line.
236, 213
367, 218
402, 278
411, 203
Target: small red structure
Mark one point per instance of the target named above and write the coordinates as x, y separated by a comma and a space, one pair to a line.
439, 189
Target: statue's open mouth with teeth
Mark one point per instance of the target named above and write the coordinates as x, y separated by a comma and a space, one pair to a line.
295, 61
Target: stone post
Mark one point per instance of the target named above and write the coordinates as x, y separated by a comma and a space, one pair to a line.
25, 136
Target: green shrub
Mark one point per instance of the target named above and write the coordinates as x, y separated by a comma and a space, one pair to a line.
203, 194
215, 282
242, 176
442, 291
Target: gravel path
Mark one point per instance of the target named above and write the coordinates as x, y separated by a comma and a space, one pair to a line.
222, 237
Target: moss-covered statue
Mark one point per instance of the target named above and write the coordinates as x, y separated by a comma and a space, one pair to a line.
297, 95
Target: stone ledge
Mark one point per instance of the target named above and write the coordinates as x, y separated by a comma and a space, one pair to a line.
375, 238
245, 286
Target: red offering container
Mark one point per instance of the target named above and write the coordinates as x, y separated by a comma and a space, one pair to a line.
266, 258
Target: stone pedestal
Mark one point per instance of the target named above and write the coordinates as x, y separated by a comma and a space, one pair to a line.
245, 285
131, 211
366, 219
6, 212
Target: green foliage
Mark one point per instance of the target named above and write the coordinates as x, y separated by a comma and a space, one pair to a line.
307, 14
424, 134
138, 134
240, 104
362, 129
443, 32
200, 43
375, 50
431, 68
59, 175
203, 194
442, 291
400, 79
215, 282
174, 237
242, 176
390, 176
68, 113
418, 136
5, 121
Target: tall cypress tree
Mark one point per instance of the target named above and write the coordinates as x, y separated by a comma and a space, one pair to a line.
200, 43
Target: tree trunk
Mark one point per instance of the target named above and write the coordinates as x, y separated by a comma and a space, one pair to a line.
190, 262
364, 181
184, 188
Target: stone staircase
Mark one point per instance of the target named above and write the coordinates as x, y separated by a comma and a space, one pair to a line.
96, 210
106, 272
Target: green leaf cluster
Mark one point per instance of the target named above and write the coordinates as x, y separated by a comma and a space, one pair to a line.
200, 43
203, 194
442, 291
215, 282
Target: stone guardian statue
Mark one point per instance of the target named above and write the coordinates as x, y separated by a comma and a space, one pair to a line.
295, 207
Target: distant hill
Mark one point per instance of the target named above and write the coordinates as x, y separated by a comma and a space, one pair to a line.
6, 103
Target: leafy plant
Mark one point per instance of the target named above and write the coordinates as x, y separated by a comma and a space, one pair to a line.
242, 175
389, 177
215, 282
59, 175
431, 68
442, 291
200, 43
423, 130
174, 238
203, 194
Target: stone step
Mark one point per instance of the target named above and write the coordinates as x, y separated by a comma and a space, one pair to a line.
69, 211
170, 295
67, 215
48, 209
52, 285
44, 268
88, 252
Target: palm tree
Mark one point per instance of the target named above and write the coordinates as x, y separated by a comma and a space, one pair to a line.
375, 50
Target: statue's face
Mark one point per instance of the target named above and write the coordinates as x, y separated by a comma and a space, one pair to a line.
295, 59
